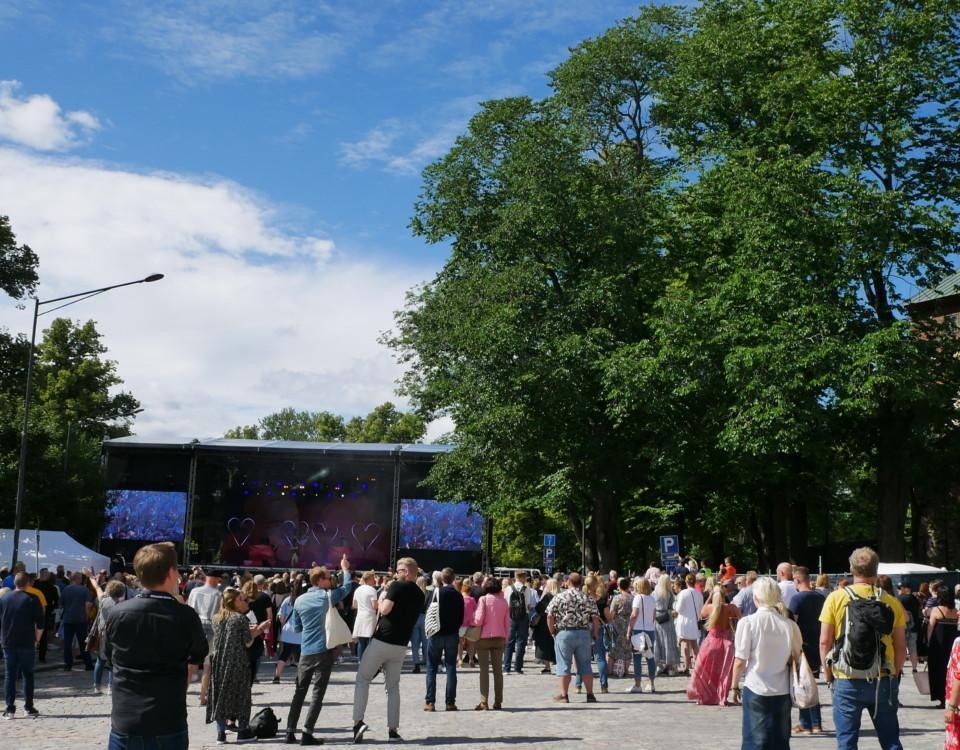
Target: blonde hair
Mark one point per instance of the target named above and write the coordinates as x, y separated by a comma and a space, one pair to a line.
228, 603
708, 586
642, 586
663, 589
369, 577
552, 587
716, 604
766, 593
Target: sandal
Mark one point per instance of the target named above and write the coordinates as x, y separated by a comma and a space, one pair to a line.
561, 698
797, 729
482, 706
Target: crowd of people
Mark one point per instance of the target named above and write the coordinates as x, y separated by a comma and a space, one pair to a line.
738, 640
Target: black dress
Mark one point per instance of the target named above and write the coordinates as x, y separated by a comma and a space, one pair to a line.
542, 639
938, 655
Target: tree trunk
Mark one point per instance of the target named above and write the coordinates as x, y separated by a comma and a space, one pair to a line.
893, 486
606, 523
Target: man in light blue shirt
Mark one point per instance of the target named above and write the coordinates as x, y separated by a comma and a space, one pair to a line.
744, 598
316, 660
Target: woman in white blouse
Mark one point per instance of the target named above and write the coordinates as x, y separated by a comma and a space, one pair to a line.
687, 607
766, 641
365, 602
642, 622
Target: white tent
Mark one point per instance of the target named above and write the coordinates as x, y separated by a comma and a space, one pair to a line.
906, 569
56, 548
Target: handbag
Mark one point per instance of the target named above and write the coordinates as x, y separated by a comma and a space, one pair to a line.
472, 634
922, 681
803, 685
608, 635
431, 623
337, 631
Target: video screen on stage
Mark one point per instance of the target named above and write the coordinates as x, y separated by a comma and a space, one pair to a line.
146, 515
431, 524
315, 516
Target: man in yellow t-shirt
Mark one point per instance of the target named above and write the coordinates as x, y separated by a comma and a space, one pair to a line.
851, 695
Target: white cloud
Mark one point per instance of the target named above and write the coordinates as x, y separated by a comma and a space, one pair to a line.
227, 40
251, 316
38, 122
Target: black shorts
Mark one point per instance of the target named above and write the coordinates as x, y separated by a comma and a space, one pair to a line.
288, 651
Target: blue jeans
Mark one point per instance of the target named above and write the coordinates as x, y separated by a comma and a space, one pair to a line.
850, 697
766, 721
516, 642
445, 646
570, 645
600, 654
418, 642
73, 630
176, 741
98, 669
18, 661
362, 644
638, 659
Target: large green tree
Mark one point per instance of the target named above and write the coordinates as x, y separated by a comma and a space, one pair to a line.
674, 298
553, 213
385, 424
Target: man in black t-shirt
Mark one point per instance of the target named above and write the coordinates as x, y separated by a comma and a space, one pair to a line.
399, 608
148, 641
21, 624
805, 607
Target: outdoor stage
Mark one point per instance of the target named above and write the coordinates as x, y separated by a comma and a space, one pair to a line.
281, 504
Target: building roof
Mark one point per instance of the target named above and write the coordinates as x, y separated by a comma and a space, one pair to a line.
280, 446
948, 287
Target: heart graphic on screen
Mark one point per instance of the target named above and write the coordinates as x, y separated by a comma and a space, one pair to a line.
321, 530
365, 535
236, 526
290, 535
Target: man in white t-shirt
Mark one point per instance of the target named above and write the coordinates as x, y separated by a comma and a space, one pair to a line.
785, 582
205, 601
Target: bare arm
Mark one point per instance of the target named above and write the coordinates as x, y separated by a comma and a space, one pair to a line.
738, 666
934, 616
899, 649
552, 625
827, 634
386, 606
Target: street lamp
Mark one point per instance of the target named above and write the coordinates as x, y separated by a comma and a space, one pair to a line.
22, 470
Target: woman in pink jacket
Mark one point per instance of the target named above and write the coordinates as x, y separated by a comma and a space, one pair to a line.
467, 652
493, 619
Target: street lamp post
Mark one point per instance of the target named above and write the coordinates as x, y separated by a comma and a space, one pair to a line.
22, 469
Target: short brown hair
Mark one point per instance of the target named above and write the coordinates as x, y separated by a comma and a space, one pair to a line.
575, 580
447, 575
154, 562
318, 574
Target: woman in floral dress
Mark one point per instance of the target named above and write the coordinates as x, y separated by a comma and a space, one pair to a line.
951, 718
230, 678
621, 605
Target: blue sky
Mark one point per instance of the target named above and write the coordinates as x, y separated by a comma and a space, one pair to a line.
265, 156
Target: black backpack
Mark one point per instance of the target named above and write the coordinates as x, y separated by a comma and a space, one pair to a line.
859, 652
265, 723
518, 604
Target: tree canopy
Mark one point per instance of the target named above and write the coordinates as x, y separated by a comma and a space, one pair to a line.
385, 424
676, 293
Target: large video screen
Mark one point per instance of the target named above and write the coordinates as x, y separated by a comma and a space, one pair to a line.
146, 515
275, 519
430, 524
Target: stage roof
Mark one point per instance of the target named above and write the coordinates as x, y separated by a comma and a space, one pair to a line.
419, 450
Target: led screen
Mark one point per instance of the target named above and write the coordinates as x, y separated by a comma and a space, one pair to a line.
146, 515
430, 524
311, 518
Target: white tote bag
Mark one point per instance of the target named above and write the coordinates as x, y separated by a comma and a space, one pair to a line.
337, 631
803, 685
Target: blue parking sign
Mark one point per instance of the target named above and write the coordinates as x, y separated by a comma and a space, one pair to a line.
669, 546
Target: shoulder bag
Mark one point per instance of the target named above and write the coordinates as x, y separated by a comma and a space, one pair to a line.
337, 631
803, 685
431, 623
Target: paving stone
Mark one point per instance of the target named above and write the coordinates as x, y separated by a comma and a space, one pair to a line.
73, 717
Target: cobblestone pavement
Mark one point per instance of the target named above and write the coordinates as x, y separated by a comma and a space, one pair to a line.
72, 717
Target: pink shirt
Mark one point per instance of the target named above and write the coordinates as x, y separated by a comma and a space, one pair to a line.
469, 609
492, 616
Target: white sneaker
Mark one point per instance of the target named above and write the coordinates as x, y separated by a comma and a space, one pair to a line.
635, 689
97, 691
650, 686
